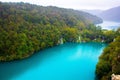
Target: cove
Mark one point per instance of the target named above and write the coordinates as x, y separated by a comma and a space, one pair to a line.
69, 61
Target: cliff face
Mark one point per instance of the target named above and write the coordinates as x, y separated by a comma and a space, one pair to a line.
115, 77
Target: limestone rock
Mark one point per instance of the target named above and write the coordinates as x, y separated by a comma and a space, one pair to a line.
115, 77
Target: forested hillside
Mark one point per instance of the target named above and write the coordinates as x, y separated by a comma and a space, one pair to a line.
109, 61
27, 28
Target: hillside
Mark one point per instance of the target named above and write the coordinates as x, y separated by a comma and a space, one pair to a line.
93, 12
111, 14
109, 61
26, 28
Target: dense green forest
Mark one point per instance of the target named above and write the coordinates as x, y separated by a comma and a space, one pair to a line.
26, 28
109, 61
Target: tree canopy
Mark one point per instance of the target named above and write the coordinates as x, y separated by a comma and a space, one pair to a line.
26, 28
109, 61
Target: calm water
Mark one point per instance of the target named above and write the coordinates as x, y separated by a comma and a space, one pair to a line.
109, 25
70, 61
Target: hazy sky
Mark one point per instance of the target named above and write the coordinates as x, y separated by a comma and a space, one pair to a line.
75, 4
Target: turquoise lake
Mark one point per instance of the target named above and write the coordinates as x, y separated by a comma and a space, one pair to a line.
70, 61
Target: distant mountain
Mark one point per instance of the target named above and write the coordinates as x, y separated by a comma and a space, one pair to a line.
93, 12
112, 14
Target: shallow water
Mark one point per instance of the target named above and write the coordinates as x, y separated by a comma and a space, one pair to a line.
70, 61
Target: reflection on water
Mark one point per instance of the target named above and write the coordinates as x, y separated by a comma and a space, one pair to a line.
70, 61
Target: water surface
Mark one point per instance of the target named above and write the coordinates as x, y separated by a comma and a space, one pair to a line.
110, 25
70, 61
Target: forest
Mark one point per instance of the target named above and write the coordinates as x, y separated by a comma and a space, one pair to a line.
26, 28
109, 61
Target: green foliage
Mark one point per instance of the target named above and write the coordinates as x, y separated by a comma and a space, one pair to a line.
109, 61
109, 36
27, 28
70, 34
92, 33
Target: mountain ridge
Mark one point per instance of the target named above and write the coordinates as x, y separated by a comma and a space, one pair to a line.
111, 14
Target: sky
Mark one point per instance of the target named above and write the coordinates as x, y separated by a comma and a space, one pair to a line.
74, 4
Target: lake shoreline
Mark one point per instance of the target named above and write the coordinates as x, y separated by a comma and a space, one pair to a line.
68, 54
23, 58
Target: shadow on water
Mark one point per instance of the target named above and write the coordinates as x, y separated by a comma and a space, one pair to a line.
10, 69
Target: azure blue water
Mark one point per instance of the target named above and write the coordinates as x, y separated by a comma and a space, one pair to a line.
110, 25
69, 61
